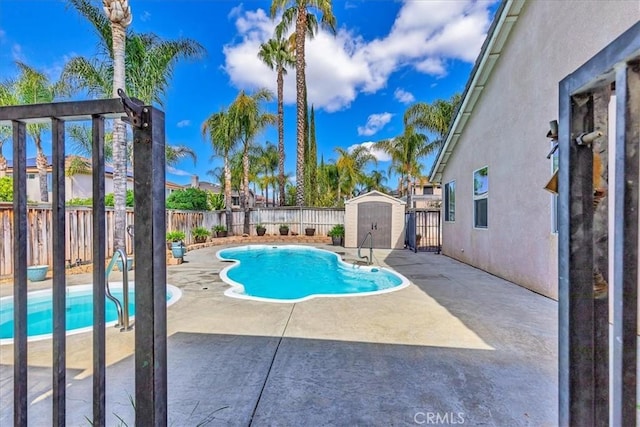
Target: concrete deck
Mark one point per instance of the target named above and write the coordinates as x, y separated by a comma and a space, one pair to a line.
458, 345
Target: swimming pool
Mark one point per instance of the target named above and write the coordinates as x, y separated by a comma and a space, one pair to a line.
79, 310
293, 273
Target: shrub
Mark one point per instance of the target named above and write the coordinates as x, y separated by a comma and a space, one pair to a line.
80, 202
216, 201
284, 226
175, 236
219, 227
337, 231
260, 227
109, 199
189, 199
6, 189
200, 232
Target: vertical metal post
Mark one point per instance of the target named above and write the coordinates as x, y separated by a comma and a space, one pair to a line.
59, 279
99, 256
150, 271
576, 303
20, 387
625, 315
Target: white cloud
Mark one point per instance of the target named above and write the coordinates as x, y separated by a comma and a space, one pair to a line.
16, 53
178, 172
425, 36
146, 16
375, 122
3, 33
404, 96
380, 155
183, 123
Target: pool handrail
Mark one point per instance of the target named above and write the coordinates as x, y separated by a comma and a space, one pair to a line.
370, 257
121, 308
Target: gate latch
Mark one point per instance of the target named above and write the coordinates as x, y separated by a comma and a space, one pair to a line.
137, 114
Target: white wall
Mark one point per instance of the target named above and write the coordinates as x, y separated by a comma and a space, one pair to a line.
506, 132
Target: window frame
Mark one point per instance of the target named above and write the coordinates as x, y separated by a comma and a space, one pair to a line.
449, 202
481, 196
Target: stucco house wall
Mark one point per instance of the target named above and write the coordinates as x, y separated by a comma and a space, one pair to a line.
351, 218
506, 132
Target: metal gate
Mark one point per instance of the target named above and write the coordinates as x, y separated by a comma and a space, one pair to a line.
375, 217
584, 359
423, 231
149, 247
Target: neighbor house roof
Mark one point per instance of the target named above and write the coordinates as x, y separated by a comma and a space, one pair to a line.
506, 17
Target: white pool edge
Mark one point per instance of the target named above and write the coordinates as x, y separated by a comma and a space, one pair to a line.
176, 294
236, 290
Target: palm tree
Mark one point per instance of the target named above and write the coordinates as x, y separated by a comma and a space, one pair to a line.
119, 14
217, 128
267, 161
247, 118
406, 150
350, 166
32, 87
277, 55
302, 13
139, 63
435, 117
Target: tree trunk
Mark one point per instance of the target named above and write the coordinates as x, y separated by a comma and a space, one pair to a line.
119, 142
41, 165
3, 166
227, 195
301, 25
245, 184
281, 134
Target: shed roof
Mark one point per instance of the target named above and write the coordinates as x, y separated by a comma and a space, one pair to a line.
506, 17
374, 193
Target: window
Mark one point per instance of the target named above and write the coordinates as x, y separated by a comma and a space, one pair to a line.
235, 200
450, 201
480, 197
427, 190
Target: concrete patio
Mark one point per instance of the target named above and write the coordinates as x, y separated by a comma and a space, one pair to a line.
458, 345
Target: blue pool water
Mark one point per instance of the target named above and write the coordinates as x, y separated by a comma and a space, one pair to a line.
295, 273
79, 310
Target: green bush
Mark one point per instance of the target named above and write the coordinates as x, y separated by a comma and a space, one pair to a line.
216, 201
109, 199
200, 232
175, 236
337, 231
80, 202
189, 199
219, 227
6, 189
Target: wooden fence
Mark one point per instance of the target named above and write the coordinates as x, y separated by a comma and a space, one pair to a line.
79, 228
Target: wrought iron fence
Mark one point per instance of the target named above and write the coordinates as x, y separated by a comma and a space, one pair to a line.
423, 231
149, 246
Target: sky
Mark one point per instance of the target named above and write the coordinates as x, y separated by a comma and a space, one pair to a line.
385, 55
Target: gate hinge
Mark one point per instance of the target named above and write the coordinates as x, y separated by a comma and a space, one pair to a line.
137, 114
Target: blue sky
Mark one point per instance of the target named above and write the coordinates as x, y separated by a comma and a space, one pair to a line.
386, 55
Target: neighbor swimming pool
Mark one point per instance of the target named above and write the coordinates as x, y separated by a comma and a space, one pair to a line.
79, 303
294, 273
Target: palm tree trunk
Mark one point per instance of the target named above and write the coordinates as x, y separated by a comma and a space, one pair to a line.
3, 166
301, 25
245, 187
119, 141
281, 134
227, 195
41, 165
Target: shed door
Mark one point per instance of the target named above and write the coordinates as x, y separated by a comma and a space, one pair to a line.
375, 217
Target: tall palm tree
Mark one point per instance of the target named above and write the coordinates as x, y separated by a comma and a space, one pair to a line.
267, 161
350, 166
139, 63
406, 150
277, 55
33, 87
248, 119
217, 128
302, 13
119, 14
435, 117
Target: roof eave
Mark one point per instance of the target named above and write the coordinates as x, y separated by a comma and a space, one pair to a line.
506, 16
